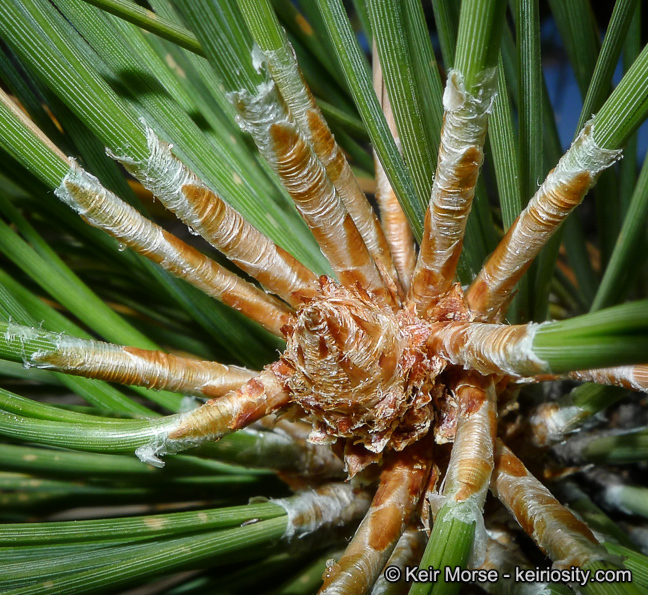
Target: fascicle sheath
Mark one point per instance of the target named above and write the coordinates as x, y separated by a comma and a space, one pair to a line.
615, 491
471, 462
397, 231
401, 485
609, 446
103, 209
465, 122
504, 555
182, 192
311, 459
407, 553
630, 377
551, 421
129, 365
285, 72
394, 222
558, 533
561, 192
238, 409
469, 471
290, 155
488, 348
332, 505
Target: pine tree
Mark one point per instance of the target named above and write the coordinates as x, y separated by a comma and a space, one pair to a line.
372, 366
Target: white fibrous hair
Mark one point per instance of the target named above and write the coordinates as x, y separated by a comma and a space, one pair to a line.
160, 444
